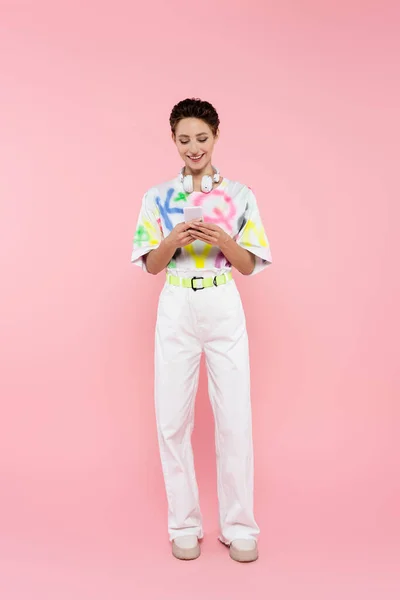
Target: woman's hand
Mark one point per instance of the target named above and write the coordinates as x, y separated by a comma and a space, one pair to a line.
181, 235
210, 233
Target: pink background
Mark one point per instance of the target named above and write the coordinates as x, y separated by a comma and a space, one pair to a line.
309, 95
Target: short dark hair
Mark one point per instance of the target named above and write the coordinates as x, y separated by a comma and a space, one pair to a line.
195, 108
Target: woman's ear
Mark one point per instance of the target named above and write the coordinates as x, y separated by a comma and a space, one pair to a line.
173, 136
217, 135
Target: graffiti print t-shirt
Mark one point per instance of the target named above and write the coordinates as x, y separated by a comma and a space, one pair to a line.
231, 205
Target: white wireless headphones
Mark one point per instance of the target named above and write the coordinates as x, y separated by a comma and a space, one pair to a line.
206, 181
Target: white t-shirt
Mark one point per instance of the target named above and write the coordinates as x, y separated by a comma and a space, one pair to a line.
231, 205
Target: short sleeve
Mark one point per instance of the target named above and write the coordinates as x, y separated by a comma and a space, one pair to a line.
148, 233
252, 235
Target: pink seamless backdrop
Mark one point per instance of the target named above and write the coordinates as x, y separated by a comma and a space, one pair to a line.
308, 94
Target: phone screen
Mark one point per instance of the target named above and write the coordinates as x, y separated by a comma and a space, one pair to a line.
193, 212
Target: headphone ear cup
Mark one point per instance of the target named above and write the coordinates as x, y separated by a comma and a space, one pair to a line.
206, 184
188, 184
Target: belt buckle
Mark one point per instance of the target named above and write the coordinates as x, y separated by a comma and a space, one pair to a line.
195, 289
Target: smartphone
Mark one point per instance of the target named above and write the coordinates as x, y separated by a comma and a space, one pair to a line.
193, 212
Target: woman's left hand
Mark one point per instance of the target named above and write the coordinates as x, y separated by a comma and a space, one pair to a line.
209, 233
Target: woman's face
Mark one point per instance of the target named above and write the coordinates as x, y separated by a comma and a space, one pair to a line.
195, 142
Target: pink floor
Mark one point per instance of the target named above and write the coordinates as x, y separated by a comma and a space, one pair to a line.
94, 548
145, 569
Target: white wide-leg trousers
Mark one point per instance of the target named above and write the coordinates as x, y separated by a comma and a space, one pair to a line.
190, 322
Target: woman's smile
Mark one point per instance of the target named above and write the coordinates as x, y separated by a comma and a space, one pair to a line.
197, 158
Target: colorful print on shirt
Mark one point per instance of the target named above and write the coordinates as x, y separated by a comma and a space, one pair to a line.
231, 205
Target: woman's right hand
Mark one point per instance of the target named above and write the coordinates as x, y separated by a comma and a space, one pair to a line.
180, 236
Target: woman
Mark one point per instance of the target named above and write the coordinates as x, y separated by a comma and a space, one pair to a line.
200, 310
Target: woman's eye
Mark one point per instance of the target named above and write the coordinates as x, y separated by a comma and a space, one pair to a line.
201, 141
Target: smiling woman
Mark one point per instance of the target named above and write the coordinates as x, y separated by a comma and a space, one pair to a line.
199, 256
195, 136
